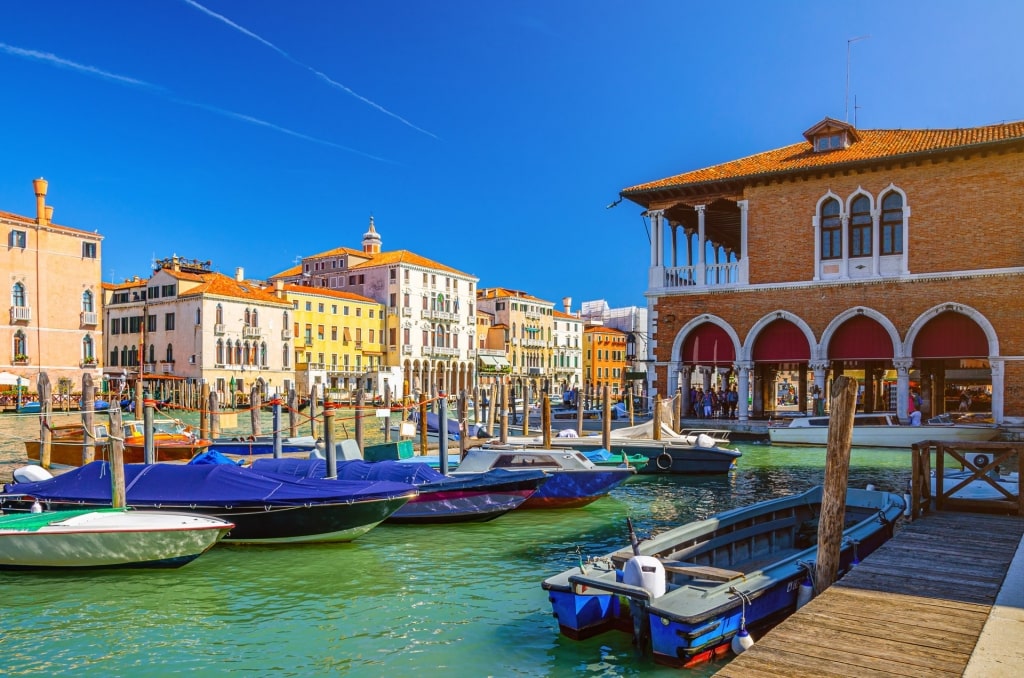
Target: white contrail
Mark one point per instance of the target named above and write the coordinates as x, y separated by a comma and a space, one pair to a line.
54, 59
323, 76
134, 82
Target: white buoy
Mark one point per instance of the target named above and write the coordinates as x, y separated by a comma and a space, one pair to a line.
37, 507
804, 593
906, 504
742, 641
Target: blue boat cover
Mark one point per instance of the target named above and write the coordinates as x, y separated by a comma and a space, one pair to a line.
425, 478
205, 484
213, 457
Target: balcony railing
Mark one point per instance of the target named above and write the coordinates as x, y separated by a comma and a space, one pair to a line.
218, 328
714, 275
406, 311
407, 350
167, 368
286, 334
21, 314
90, 318
250, 332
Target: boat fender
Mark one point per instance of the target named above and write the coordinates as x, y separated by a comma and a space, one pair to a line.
742, 641
804, 593
647, 572
664, 461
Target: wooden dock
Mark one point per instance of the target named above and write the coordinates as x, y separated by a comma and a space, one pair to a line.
915, 607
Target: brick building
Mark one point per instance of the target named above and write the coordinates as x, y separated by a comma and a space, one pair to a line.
892, 256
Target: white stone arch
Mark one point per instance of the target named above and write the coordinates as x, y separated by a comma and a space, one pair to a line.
893, 188
821, 201
767, 319
890, 328
677, 342
853, 196
972, 313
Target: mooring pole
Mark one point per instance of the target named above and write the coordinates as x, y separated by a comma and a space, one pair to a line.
837, 470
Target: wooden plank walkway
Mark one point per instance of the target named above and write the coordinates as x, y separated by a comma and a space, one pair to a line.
915, 607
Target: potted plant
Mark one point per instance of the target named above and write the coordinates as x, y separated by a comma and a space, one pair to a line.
20, 358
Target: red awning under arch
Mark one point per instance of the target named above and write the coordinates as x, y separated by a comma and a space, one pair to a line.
950, 335
781, 342
860, 338
708, 344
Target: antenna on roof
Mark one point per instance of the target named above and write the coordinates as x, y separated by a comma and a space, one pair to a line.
848, 43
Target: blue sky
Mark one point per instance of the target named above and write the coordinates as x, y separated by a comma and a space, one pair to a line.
487, 136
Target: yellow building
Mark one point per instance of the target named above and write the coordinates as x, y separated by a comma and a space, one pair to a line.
530, 346
338, 340
53, 276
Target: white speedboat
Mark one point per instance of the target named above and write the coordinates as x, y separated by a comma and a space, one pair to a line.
879, 430
105, 538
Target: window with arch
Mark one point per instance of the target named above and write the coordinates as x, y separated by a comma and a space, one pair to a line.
169, 354
220, 351
199, 316
860, 227
247, 317
87, 349
284, 320
87, 301
263, 354
19, 346
439, 336
831, 230
255, 318
152, 354
285, 352
219, 315
891, 225
238, 352
18, 294
113, 356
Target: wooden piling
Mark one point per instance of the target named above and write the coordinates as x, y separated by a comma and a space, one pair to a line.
312, 410
360, 401
255, 404
606, 419
504, 414
545, 420
423, 426
88, 428
463, 415
837, 469
204, 421
117, 489
45, 419
214, 408
293, 413
332, 454
656, 417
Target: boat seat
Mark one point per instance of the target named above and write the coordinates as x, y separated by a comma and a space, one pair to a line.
701, 571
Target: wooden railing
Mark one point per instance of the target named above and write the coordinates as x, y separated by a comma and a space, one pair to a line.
983, 462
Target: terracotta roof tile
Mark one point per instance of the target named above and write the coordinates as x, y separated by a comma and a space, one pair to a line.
876, 144
403, 257
220, 285
555, 313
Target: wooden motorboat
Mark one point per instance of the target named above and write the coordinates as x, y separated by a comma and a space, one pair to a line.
93, 538
686, 593
173, 441
879, 430
265, 510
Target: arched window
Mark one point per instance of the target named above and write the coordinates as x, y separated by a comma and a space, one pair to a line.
170, 353
87, 304
87, 353
113, 357
831, 230
285, 352
152, 354
263, 354
439, 336
19, 345
18, 295
220, 351
219, 315
125, 357
199, 316
892, 223
284, 321
133, 356
860, 227
247, 317
238, 352
255, 318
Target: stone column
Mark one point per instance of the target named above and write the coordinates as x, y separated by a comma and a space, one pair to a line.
903, 367
845, 246
701, 246
820, 369
684, 387
744, 272
876, 240
743, 387
998, 366
656, 275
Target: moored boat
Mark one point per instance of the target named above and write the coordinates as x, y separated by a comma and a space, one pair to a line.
575, 480
879, 430
473, 497
255, 446
686, 593
172, 440
265, 510
108, 537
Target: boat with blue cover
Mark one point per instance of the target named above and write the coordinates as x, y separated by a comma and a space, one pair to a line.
687, 593
264, 509
442, 499
254, 446
575, 480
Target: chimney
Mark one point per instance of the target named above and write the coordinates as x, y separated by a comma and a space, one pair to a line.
49, 214
279, 289
40, 188
567, 302
239, 274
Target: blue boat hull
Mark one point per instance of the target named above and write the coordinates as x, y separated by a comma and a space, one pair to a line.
572, 489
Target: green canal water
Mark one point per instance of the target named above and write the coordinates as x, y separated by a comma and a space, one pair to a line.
459, 599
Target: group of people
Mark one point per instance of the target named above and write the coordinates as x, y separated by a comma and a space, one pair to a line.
715, 403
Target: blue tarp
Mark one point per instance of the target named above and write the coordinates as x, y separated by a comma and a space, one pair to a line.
213, 457
205, 485
422, 476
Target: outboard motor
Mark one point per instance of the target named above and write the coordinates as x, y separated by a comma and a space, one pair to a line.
31, 474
